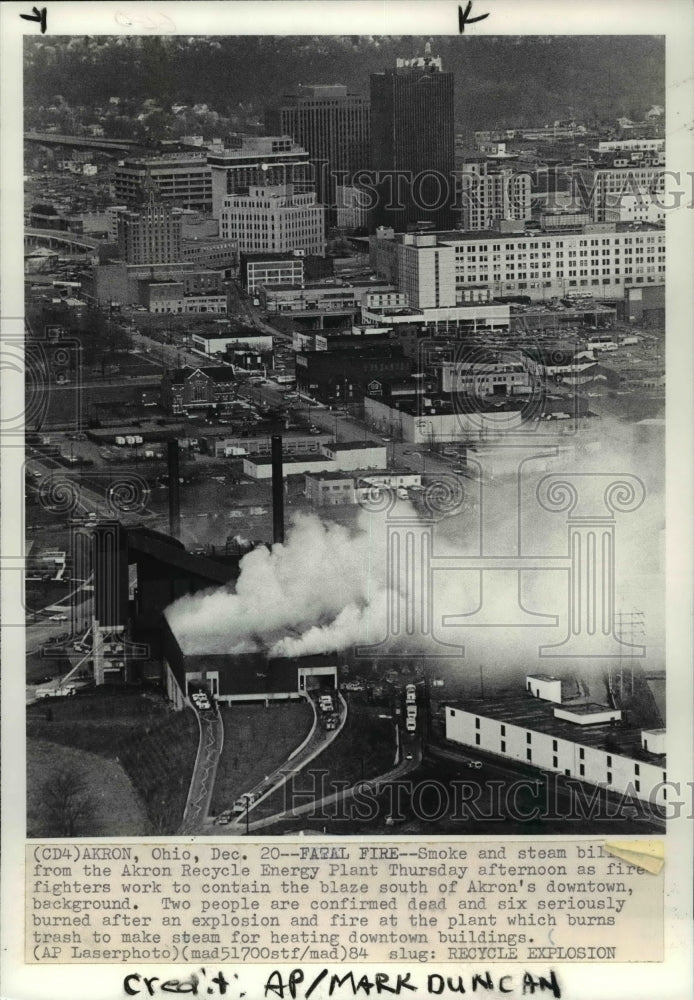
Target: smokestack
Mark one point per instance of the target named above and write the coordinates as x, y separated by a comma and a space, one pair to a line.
110, 565
277, 490
174, 490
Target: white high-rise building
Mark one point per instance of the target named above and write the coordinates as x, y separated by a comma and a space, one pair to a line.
274, 219
486, 196
426, 272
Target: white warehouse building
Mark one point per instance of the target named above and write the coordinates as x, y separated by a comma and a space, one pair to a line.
578, 739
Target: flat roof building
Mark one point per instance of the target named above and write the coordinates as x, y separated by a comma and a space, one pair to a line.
182, 179
334, 126
577, 739
276, 219
599, 260
413, 133
272, 160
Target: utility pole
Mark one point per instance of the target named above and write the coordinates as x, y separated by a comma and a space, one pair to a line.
629, 625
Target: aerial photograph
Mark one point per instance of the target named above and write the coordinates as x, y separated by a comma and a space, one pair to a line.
345, 430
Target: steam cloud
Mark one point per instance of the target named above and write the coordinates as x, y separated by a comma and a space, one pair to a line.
326, 589
320, 591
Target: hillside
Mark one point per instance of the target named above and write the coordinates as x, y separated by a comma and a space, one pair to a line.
499, 80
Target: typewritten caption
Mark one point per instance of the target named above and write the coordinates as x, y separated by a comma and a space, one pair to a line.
353, 903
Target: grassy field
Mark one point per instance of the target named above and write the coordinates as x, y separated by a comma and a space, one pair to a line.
154, 745
365, 748
112, 808
256, 741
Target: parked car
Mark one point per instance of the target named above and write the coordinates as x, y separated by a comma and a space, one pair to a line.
411, 725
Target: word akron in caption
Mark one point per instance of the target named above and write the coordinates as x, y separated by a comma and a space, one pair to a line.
353, 903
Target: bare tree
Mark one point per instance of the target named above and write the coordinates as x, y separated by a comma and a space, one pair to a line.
67, 803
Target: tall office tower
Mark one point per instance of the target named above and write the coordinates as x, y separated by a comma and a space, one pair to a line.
151, 236
334, 126
413, 144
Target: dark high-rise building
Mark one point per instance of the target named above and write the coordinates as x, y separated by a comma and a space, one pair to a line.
150, 236
413, 139
334, 126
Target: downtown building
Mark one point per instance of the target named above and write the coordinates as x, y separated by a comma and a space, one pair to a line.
258, 160
413, 139
334, 127
599, 260
488, 193
150, 236
603, 185
182, 179
275, 219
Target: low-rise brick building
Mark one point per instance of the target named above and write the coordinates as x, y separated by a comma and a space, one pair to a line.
197, 388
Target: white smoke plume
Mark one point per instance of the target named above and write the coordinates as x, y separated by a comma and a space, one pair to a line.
326, 588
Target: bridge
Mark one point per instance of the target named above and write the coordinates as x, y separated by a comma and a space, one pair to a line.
84, 142
58, 238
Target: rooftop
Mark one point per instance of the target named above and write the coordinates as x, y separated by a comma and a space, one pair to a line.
458, 235
230, 334
221, 372
288, 459
363, 475
353, 445
522, 709
329, 286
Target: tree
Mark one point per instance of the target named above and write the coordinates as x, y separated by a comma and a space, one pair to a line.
67, 803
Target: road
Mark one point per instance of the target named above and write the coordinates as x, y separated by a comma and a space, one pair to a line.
202, 782
85, 501
170, 355
525, 798
338, 424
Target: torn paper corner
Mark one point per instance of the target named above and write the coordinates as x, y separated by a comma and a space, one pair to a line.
646, 854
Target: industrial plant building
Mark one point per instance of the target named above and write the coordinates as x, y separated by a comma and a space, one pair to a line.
344, 375
575, 738
347, 456
329, 489
439, 420
242, 677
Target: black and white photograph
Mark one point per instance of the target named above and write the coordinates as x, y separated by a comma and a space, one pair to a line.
346, 499
345, 435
